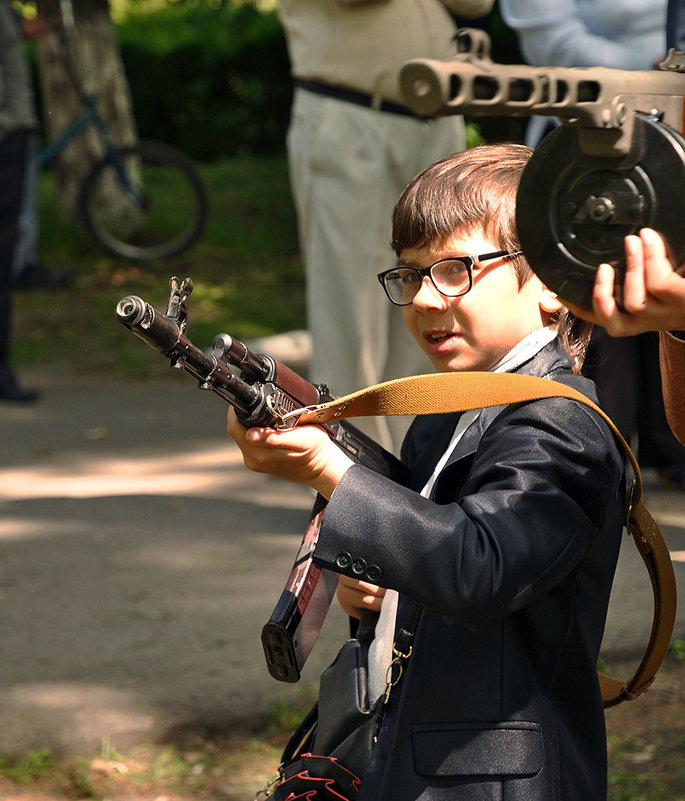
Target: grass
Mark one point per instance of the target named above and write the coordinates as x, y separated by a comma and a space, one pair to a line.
246, 271
646, 742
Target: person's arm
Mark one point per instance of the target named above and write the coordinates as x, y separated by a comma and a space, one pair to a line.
552, 32
672, 357
474, 558
305, 456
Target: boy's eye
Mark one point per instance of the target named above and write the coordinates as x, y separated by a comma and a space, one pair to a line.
452, 268
406, 276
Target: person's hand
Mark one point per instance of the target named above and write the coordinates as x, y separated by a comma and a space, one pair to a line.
653, 293
304, 455
356, 596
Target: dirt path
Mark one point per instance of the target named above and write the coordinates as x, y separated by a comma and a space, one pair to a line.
138, 563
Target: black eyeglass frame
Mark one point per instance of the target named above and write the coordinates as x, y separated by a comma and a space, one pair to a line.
427, 272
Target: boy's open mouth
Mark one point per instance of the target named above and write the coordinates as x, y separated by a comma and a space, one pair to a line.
438, 342
438, 336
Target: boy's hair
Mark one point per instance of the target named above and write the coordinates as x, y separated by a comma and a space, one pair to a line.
476, 191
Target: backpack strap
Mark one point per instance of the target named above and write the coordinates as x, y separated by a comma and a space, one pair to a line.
439, 393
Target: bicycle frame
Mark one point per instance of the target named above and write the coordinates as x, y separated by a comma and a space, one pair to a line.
89, 117
119, 193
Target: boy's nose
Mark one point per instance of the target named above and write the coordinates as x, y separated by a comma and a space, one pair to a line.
428, 296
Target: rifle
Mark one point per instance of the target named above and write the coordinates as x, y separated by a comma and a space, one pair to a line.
615, 165
262, 391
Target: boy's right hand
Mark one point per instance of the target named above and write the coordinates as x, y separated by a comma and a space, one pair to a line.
303, 455
356, 596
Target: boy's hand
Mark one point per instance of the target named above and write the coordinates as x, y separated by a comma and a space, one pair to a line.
356, 596
653, 293
303, 455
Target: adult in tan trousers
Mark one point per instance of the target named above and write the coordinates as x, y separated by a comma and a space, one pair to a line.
352, 148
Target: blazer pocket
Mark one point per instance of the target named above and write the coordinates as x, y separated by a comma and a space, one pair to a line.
477, 749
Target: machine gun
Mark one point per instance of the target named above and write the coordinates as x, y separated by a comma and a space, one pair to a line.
262, 391
615, 165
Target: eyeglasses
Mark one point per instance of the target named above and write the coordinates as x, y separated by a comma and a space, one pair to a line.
451, 277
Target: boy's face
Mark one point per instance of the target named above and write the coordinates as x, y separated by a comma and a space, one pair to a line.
473, 331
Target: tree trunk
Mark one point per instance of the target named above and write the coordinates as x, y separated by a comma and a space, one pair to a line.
97, 60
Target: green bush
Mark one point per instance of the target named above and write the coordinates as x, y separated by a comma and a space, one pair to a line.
214, 82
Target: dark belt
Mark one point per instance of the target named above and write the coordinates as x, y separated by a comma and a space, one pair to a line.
353, 96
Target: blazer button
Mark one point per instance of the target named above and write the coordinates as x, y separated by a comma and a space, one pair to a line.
343, 560
373, 573
359, 567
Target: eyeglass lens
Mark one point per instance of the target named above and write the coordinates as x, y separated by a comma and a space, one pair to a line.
450, 276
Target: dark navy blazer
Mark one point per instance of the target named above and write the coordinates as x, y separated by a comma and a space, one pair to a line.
513, 557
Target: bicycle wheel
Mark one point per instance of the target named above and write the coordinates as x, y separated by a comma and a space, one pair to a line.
145, 201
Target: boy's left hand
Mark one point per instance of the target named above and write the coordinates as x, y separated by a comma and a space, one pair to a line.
303, 455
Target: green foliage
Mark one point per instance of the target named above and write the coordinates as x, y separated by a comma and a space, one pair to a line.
287, 712
603, 667
214, 81
247, 275
28, 768
677, 650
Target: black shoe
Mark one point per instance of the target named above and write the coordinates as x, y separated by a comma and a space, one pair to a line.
35, 276
13, 392
10, 389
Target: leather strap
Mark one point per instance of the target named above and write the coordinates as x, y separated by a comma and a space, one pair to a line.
353, 96
439, 393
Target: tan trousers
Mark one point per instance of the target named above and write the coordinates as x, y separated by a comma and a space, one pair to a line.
348, 166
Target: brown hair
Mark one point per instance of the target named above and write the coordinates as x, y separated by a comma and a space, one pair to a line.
476, 191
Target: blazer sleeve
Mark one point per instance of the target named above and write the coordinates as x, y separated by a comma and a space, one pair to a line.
539, 487
672, 356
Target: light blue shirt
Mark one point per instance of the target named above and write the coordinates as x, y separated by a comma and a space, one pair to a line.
623, 34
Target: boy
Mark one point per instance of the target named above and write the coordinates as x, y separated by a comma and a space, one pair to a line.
508, 532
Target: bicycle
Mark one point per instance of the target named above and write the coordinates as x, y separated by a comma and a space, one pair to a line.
138, 201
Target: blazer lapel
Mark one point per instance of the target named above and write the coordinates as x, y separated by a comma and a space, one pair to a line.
551, 358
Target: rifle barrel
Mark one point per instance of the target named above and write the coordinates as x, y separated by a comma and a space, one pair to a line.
164, 335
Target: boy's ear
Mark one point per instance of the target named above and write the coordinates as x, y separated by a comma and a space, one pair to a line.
549, 301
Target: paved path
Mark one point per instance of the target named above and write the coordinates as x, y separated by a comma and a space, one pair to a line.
139, 561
